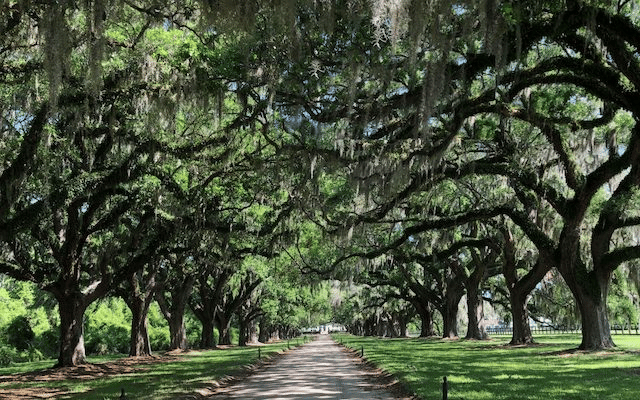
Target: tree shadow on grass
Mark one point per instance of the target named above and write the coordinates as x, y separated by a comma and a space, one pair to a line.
55, 382
484, 370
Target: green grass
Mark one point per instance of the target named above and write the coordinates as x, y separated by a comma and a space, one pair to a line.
489, 370
154, 381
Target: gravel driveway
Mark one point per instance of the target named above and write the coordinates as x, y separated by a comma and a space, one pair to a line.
318, 370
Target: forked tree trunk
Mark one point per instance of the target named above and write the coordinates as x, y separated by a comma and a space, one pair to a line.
520, 287
174, 312
206, 306
591, 298
139, 301
453, 292
71, 309
475, 305
590, 289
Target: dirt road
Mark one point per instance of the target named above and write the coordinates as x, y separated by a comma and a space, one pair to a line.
318, 370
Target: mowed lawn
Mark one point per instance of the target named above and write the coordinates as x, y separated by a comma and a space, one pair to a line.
179, 377
491, 370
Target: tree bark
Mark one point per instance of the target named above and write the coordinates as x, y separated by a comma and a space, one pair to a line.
475, 312
449, 309
368, 328
426, 318
402, 325
139, 301
247, 315
174, 312
520, 314
253, 332
243, 334
264, 333
590, 293
207, 338
450, 320
211, 297
72, 304
274, 334
224, 329
71, 309
177, 332
139, 344
520, 288
589, 288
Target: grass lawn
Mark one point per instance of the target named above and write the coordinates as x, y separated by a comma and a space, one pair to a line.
490, 370
184, 374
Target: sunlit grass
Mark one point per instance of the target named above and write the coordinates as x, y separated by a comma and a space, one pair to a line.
166, 380
490, 370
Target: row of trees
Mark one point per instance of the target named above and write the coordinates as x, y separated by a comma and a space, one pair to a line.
133, 165
152, 149
30, 325
491, 136
526, 140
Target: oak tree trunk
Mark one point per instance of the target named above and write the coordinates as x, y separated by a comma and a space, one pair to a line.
139, 298
139, 344
403, 326
590, 289
207, 338
475, 312
173, 310
520, 314
243, 337
264, 333
253, 331
177, 331
591, 298
520, 287
426, 318
449, 312
224, 329
71, 309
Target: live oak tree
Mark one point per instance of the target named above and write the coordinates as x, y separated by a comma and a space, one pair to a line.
392, 99
587, 273
212, 279
176, 280
90, 154
520, 82
232, 299
139, 295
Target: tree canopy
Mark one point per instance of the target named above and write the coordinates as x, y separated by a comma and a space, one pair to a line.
220, 158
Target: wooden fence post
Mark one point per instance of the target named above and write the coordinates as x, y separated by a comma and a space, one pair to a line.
445, 389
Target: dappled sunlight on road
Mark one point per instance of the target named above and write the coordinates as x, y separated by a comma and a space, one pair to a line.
319, 370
